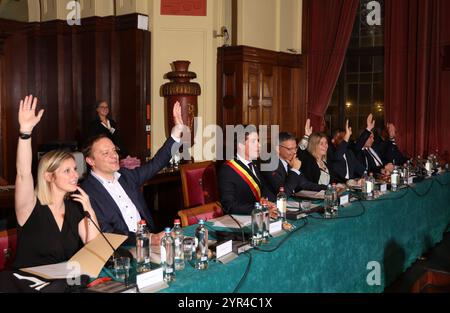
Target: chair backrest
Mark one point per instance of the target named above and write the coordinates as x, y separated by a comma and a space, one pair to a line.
204, 212
199, 182
8, 241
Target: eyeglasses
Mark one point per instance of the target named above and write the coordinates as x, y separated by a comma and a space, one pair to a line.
294, 149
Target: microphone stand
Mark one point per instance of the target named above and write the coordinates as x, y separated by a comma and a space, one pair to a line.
88, 215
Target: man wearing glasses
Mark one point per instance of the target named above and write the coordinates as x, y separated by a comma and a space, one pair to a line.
288, 173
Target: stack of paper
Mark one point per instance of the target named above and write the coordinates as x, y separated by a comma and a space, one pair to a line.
88, 261
311, 194
228, 222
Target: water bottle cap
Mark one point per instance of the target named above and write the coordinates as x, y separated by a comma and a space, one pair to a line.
201, 222
177, 221
167, 230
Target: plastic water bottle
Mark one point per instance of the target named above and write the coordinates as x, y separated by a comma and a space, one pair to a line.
335, 202
395, 179
328, 202
167, 256
282, 203
266, 220
419, 165
407, 171
368, 187
257, 225
365, 179
429, 166
179, 252
437, 165
201, 244
142, 248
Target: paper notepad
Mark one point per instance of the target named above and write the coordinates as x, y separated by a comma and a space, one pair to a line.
228, 222
91, 259
311, 194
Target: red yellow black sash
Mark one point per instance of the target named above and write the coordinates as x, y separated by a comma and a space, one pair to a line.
246, 177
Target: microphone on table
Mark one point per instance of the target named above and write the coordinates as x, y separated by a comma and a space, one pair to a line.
88, 215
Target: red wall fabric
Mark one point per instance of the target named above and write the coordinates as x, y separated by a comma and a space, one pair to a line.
331, 24
417, 97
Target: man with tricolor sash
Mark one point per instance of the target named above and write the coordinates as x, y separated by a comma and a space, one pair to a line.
240, 180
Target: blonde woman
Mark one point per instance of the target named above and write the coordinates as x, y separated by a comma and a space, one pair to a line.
50, 228
313, 153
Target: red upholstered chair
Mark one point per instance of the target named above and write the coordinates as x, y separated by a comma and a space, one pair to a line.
204, 212
432, 281
199, 182
8, 241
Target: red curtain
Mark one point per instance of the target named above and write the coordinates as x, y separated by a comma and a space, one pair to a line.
417, 97
331, 24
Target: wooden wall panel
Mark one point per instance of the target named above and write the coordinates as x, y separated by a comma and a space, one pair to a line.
69, 68
268, 101
269, 91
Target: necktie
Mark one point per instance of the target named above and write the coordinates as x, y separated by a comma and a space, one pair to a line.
375, 158
253, 169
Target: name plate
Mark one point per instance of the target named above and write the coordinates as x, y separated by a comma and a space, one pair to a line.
224, 249
383, 187
275, 227
150, 278
344, 200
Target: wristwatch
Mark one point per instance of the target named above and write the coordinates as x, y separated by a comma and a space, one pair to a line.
24, 136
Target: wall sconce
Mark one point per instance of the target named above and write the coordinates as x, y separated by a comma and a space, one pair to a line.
224, 34
348, 105
379, 106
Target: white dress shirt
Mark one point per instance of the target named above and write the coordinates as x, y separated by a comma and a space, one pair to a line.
347, 174
375, 156
129, 211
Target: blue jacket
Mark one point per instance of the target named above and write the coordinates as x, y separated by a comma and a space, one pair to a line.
108, 213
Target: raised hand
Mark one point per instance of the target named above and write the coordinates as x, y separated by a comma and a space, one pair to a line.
370, 122
348, 132
308, 128
27, 114
178, 120
392, 132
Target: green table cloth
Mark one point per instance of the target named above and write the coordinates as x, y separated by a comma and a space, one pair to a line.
384, 236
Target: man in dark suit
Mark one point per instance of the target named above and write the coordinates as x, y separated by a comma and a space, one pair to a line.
370, 155
388, 146
287, 174
341, 158
240, 181
114, 192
